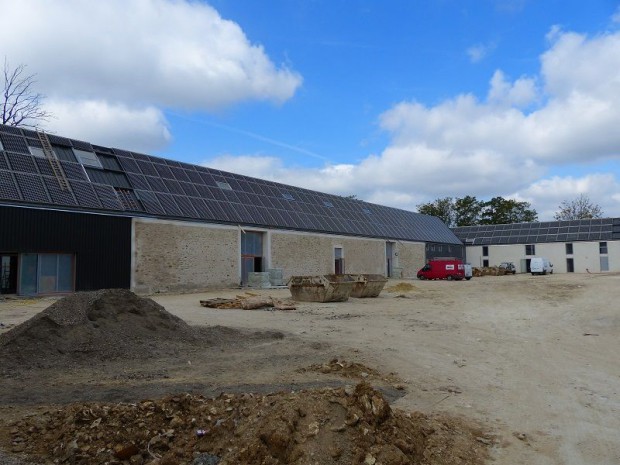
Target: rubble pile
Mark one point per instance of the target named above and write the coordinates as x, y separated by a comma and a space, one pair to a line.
489, 271
354, 370
350, 425
88, 327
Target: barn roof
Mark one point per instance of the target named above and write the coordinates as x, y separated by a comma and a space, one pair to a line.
596, 229
93, 178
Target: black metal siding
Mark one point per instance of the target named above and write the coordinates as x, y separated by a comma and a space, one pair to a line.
101, 244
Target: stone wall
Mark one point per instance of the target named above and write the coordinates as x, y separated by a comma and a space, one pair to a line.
311, 254
171, 256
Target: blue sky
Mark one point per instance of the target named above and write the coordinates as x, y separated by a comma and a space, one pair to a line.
398, 102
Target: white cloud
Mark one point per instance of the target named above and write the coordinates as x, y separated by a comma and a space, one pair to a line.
568, 114
476, 53
148, 128
143, 53
603, 189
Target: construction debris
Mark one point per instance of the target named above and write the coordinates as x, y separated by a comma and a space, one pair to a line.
250, 302
327, 426
490, 271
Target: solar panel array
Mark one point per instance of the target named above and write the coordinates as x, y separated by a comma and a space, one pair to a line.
144, 185
599, 229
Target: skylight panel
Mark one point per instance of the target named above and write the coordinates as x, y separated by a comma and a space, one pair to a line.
87, 158
223, 185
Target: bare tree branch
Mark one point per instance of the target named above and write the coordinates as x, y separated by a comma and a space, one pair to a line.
578, 209
21, 104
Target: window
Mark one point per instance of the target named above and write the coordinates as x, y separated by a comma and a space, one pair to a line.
485, 263
223, 185
530, 249
602, 248
87, 158
485, 250
37, 152
46, 273
569, 249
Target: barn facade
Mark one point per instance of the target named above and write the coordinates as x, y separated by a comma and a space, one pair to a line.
76, 216
574, 246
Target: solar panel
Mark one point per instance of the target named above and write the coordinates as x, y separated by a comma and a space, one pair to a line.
185, 204
19, 162
107, 196
12, 143
74, 171
85, 194
189, 189
147, 167
202, 209
81, 145
44, 167
4, 165
8, 189
150, 202
156, 184
10, 129
58, 195
32, 188
163, 171
180, 174
168, 204
138, 181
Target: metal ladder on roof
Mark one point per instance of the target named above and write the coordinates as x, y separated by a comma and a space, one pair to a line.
54, 162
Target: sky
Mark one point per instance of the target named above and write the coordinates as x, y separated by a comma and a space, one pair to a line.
398, 102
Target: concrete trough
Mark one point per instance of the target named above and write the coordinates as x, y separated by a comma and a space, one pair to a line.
367, 285
321, 288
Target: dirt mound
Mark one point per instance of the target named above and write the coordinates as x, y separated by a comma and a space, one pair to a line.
326, 426
402, 287
92, 326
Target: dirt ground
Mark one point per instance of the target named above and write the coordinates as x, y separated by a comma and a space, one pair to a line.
531, 360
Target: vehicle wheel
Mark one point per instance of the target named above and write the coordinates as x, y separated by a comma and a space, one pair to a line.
468, 278
421, 278
450, 278
544, 272
533, 273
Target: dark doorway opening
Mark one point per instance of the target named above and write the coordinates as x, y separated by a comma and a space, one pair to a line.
570, 265
8, 273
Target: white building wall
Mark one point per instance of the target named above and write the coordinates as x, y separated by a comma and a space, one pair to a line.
586, 256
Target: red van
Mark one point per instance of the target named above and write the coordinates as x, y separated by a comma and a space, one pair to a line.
443, 268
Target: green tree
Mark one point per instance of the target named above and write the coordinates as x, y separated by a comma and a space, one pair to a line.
578, 209
499, 210
441, 208
467, 211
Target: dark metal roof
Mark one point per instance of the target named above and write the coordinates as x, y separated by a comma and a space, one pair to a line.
599, 229
141, 185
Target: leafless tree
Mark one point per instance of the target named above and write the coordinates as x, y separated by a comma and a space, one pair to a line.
578, 209
21, 104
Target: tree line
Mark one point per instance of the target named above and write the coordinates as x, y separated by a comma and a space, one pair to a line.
469, 211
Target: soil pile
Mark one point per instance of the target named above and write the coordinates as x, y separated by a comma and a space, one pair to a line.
95, 326
324, 426
402, 287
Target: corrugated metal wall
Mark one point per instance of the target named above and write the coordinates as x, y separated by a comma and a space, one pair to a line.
101, 244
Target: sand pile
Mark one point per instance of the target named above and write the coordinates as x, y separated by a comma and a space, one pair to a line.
93, 326
323, 426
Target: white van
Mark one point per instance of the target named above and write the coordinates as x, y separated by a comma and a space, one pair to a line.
541, 265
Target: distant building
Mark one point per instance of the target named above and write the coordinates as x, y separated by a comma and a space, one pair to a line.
575, 246
76, 217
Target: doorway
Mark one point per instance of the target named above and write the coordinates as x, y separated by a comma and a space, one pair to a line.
389, 258
8, 273
251, 254
570, 265
338, 261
